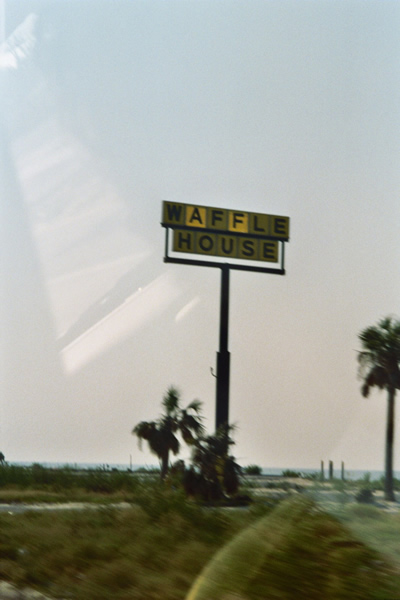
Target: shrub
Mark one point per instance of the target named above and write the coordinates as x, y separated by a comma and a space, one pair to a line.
365, 495
252, 470
289, 473
213, 473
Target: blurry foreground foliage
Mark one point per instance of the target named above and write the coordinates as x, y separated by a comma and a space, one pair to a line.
154, 549
297, 551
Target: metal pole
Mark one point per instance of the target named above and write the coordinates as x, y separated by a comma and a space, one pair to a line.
223, 356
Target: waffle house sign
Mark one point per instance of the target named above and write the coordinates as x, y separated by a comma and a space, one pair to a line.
228, 239
224, 233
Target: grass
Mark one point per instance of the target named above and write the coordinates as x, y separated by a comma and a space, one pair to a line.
378, 528
297, 552
68, 480
153, 550
157, 548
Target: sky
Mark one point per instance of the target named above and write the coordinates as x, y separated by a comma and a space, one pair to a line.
109, 107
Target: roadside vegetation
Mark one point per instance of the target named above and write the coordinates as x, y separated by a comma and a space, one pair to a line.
37, 483
154, 548
157, 546
297, 551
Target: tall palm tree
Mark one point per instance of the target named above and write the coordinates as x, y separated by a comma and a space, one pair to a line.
162, 434
379, 367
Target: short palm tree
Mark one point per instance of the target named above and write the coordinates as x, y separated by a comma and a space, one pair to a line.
214, 471
162, 434
379, 367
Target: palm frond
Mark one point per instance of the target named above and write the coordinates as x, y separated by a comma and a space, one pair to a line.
195, 405
376, 377
145, 430
171, 400
379, 359
171, 442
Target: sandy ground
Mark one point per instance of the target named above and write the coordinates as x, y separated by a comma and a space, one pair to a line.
9, 592
20, 507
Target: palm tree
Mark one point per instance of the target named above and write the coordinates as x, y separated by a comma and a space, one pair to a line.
379, 367
162, 434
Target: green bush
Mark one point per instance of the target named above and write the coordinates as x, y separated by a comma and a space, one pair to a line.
252, 470
365, 496
290, 473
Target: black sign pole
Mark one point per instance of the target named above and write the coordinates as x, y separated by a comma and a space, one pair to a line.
223, 356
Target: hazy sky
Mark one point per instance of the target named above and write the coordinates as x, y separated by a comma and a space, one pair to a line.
280, 107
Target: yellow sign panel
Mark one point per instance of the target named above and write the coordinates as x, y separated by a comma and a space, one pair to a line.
217, 219
279, 227
238, 222
223, 220
195, 216
226, 246
259, 224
